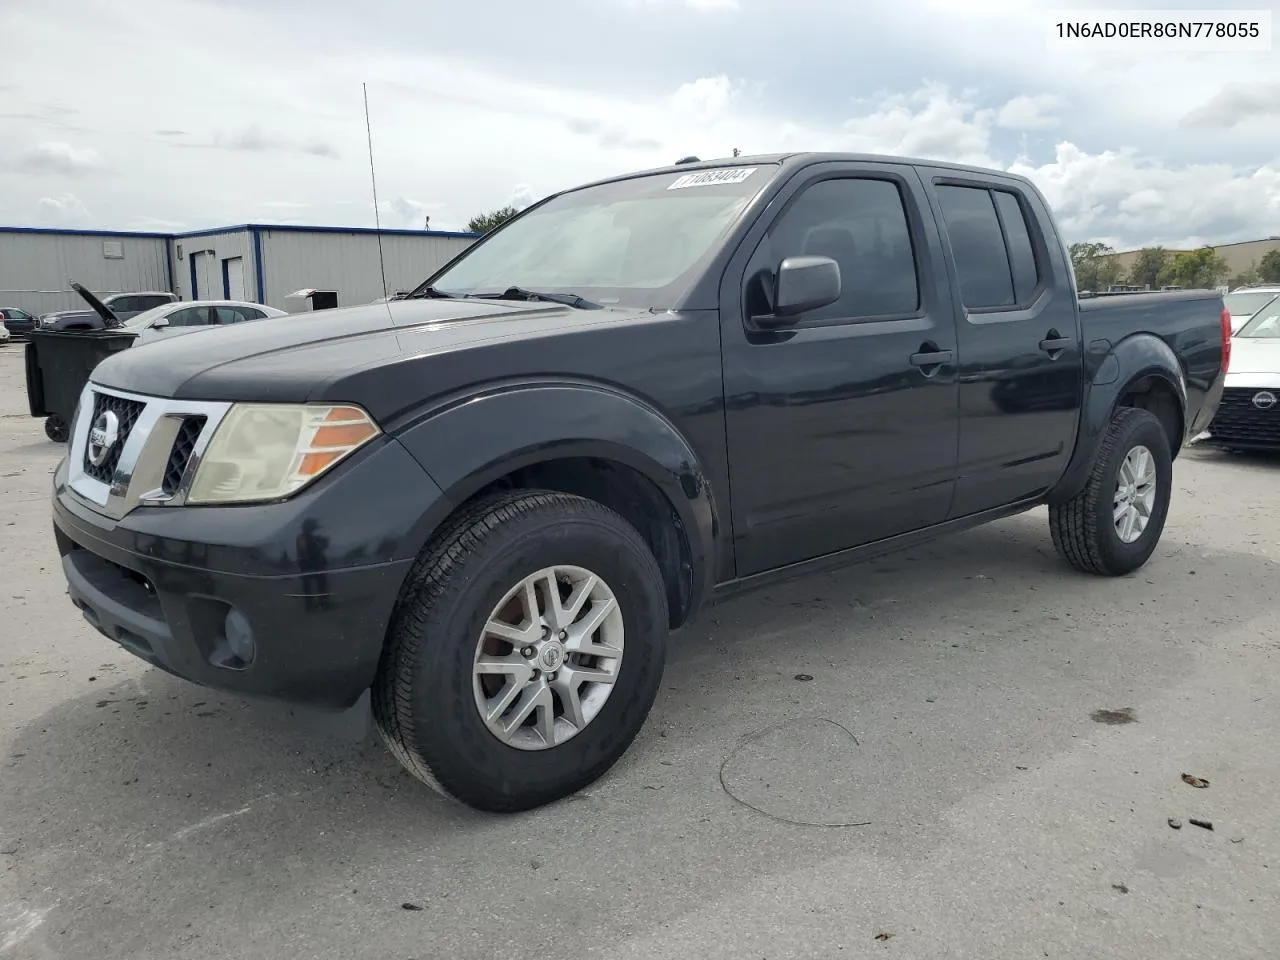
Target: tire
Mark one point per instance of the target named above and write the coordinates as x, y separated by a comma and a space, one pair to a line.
426, 696
56, 428
1084, 528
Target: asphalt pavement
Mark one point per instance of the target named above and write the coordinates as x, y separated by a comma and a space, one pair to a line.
965, 751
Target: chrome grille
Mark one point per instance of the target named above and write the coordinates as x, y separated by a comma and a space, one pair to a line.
157, 441
127, 412
184, 445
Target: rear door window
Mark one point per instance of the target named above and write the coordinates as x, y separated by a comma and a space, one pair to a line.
977, 245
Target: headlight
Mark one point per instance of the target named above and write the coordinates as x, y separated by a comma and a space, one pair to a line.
266, 451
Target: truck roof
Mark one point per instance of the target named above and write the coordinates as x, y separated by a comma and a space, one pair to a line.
802, 159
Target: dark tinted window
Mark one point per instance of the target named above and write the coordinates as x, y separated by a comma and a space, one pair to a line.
237, 314
977, 244
1022, 254
862, 225
190, 317
148, 302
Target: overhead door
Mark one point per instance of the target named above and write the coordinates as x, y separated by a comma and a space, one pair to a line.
233, 278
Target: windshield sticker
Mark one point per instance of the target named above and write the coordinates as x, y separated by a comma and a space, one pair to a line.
709, 178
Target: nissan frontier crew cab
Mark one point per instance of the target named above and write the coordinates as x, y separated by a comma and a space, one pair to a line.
481, 510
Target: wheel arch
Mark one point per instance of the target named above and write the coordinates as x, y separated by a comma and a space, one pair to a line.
1140, 371
587, 440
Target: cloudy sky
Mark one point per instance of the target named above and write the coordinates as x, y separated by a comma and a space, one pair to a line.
182, 114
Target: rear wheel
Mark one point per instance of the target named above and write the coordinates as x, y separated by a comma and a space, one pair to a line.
525, 653
1113, 525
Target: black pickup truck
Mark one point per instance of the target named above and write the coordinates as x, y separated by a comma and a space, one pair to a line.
481, 510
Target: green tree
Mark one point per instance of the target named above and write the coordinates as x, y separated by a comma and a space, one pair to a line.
1095, 265
1148, 266
1199, 269
484, 222
1269, 267
1246, 276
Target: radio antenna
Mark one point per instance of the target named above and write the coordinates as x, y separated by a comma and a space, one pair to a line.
373, 178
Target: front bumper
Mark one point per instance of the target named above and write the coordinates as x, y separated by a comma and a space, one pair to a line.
314, 579
1248, 418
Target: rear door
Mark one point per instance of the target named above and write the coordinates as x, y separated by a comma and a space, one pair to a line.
1021, 362
841, 429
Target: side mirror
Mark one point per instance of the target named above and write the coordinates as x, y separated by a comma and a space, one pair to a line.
160, 322
803, 283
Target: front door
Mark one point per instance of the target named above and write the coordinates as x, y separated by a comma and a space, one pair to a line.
842, 428
1021, 363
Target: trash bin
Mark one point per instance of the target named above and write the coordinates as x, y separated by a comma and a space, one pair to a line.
58, 367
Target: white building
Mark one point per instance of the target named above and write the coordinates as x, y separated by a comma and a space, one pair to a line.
258, 262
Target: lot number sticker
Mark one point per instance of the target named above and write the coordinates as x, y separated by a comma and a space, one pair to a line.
709, 178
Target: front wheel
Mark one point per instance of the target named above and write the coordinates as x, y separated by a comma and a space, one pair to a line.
1112, 526
525, 653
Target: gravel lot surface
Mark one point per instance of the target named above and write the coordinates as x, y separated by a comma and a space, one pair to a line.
1009, 734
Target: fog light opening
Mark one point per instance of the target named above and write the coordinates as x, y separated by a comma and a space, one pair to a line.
239, 636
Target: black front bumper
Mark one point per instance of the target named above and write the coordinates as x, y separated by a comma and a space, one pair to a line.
162, 581
1241, 423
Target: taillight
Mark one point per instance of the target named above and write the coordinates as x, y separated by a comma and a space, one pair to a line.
1226, 339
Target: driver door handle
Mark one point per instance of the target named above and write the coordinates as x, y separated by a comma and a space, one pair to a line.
930, 359
1054, 343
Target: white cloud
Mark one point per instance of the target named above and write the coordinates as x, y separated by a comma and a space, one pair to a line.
66, 210
1135, 201
1029, 112
1237, 103
704, 97
522, 195
462, 129
58, 157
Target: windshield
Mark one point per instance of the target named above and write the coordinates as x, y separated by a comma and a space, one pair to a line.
631, 242
1265, 323
1246, 304
144, 319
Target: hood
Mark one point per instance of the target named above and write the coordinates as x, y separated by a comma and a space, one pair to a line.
1254, 357
100, 308
295, 357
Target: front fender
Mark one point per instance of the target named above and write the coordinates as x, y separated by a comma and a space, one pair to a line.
486, 435
1127, 363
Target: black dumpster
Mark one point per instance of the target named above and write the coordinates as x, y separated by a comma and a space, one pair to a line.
58, 367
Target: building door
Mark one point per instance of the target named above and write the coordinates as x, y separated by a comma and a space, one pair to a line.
202, 276
233, 278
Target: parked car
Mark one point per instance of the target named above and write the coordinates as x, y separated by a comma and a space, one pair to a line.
174, 319
17, 322
166, 320
4, 335
95, 318
59, 321
481, 510
1245, 303
127, 305
1249, 416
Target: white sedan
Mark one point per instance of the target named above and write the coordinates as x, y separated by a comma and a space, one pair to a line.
173, 319
1248, 418
4, 334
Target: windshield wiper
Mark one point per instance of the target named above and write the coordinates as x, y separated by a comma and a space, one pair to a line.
428, 293
519, 293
